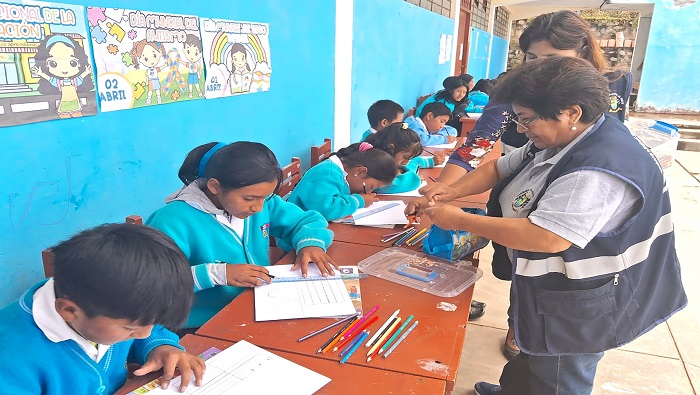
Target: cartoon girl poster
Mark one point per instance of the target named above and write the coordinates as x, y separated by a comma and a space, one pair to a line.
145, 58
45, 68
237, 56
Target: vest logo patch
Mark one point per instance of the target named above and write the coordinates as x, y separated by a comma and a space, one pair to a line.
616, 103
522, 200
264, 229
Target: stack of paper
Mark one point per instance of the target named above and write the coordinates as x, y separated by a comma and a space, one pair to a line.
390, 216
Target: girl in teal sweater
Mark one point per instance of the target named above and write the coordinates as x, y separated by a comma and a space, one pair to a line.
223, 218
344, 182
403, 144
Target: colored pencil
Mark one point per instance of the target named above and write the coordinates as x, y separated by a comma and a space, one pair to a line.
364, 186
333, 340
351, 344
392, 234
403, 232
418, 240
357, 324
348, 338
395, 335
432, 179
312, 334
417, 235
381, 328
403, 238
407, 238
388, 333
392, 348
355, 347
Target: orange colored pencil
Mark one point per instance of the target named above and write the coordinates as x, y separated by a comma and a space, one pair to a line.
337, 338
363, 327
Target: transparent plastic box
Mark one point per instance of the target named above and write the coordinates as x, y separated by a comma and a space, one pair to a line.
661, 137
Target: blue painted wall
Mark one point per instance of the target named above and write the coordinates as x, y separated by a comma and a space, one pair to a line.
499, 54
670, 77
395, 53
64, 176
479, 42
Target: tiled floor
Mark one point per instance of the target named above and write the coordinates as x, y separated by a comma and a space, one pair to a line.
664, 361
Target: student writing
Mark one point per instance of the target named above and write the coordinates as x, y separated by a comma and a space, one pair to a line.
344, 182
382, 114
431, 127
114, 289
226, 213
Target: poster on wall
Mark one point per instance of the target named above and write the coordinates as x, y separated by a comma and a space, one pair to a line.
45, 67
237, 55
145, 58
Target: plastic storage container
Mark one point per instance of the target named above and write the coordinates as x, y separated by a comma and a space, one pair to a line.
661, 137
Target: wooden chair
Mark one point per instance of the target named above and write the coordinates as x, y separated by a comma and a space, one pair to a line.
412, 111
321, 152
291, 175
47, 258
421, 100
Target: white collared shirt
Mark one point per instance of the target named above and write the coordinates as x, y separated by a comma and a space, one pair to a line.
54, 327
339, 163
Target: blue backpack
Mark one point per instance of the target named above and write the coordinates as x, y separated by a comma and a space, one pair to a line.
454, 245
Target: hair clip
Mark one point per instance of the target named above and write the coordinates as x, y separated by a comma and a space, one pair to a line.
404, 125
364, 146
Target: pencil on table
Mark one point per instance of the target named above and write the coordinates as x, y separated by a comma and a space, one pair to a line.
355, 347
399, 234
418, 240
388, 333
382, 328
358, 324
392, 348
403, 238
348, 338
432, 179
348, 318
327, 346
395, 335
415, 236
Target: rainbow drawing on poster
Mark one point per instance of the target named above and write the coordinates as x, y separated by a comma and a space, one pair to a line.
237, 56
145, 58
45, 65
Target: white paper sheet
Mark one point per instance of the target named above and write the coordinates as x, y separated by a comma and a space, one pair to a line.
407, 193
301, 299
392, 216
474, 114
446, 145
247, 369
440, 165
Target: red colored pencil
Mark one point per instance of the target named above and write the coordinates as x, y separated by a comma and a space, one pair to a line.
348, 339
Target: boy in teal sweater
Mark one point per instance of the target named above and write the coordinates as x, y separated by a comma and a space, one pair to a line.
223, 220
382, 114
114, 289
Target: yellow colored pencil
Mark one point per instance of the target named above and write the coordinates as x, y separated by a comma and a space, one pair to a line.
337, 338
385, 336
417, 235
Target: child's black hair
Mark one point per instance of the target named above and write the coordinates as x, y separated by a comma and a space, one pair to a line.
193, 41
125, 271
236, 165
438, 109
380, 165
383, 109
42, 54
395, 138
450, 84
483, 85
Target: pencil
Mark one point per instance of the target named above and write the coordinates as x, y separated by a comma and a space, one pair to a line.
335, 337
411, 220
351, 344
432, 179
348, 338
404, 237
388, 333
355, 347
418, 240
364, 186
403, 232
392, 348
396, 334
350, 317
407, 238
417, 235
359, 323
381, 328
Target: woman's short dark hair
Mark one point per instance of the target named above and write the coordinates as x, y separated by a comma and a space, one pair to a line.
380, 165
564, 30
394, 139
236, 165
125, 271
550, 85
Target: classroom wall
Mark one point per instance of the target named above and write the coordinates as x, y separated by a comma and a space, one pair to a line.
499, 56
396, 47
670, 78
64, 176
479, 43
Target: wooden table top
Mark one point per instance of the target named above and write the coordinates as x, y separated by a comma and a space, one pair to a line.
432, 350
345, 379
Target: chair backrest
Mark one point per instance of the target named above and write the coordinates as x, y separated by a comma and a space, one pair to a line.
291, 175
411, 111
321, 152
47, 258
421, 100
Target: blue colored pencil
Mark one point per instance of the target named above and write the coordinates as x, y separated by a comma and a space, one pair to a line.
355, 347
405, 237
391, 349
387, 345
351, 345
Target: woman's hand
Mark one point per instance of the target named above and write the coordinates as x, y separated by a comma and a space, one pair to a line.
245, 275
438, 192
446, 216
369, 198
438, 160
169, 358
416, 207
317, 256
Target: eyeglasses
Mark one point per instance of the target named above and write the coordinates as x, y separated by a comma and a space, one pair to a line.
523, 124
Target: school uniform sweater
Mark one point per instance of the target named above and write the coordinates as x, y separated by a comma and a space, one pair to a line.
477, 101
325, 189
367, 133
409, 179
190, 220
426, 138
31, 364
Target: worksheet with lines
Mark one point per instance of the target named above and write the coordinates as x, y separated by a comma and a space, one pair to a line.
247, 369
301, 299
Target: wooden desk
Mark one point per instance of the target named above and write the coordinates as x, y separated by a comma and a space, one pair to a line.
467, 125
432, 350
345, 379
